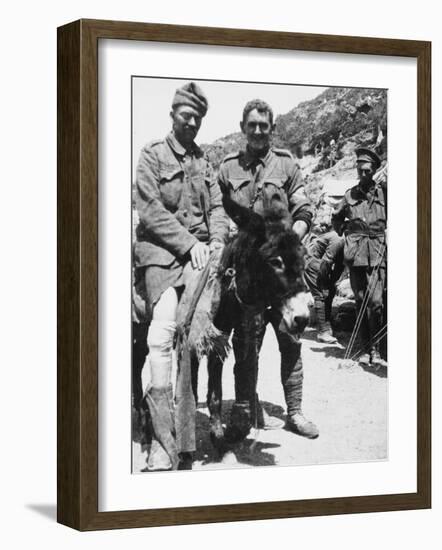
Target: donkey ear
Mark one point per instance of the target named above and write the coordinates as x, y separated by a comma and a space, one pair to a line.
244, 218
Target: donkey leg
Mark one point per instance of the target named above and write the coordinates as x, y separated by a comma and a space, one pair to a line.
214, 400
140, 426
194, 369
245, 412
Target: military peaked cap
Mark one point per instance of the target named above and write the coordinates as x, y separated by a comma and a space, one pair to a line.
364, 154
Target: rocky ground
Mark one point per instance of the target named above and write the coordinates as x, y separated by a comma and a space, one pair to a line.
348, 404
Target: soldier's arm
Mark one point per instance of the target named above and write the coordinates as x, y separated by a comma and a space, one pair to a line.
218, 219
339, 215
332, 264
299, 206
222, 180
223, 185
334, 246
160, 224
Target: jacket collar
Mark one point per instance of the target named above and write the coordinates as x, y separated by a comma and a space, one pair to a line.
176, 146
250, 158
358, 194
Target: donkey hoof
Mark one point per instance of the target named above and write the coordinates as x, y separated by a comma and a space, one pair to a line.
236, 434
217, 434
240, 423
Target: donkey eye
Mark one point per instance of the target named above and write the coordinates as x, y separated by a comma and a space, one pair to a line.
276, 262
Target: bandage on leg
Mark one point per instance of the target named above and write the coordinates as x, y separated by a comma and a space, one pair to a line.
160, 342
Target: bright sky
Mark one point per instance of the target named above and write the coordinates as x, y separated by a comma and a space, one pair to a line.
152, 98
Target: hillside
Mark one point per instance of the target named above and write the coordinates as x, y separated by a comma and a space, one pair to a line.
342, 114
323, 133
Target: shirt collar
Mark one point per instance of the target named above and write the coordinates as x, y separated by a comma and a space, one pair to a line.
373, 190
250, 158
179, 149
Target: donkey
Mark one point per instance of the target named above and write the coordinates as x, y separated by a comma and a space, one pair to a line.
261, 269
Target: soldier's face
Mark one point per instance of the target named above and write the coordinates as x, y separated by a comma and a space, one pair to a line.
258, 130
366, 172
186, 122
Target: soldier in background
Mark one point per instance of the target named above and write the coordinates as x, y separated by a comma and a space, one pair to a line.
362, 216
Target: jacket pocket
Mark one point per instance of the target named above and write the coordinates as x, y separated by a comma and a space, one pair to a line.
170, 173
277, 182
171, 187
237, 183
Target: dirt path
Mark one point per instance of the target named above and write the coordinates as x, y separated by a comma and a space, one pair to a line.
348, 404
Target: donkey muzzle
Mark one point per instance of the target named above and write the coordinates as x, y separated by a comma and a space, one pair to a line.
296, 313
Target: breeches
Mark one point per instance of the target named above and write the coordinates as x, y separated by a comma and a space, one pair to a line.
322, 299
247, 341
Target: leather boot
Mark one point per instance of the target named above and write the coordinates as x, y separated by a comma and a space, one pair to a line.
376, 360
240, 422
298, 424
163, 452
186, 461
296, 421
364, 360
326, 338
158, 460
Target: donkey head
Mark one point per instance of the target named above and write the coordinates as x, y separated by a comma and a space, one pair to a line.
269, 262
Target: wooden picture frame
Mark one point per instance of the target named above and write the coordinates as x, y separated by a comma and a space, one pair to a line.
77, 225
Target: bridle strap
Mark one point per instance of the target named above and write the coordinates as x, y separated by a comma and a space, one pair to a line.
230, 273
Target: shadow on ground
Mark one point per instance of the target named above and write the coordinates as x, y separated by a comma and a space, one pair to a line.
329, 351
338, 351
248, 452
382, 372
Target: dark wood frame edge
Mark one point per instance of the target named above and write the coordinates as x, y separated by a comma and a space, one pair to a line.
77, 278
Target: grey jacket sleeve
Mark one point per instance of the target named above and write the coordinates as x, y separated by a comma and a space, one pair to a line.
299, 206
334, 246
160, 224
218, 219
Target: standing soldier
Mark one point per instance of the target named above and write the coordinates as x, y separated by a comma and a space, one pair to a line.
181, 222
247, 177
362, 215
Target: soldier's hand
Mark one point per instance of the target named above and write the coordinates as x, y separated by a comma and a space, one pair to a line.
300, 228
215, 246
199, 255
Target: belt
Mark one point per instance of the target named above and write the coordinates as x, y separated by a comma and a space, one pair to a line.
369, 234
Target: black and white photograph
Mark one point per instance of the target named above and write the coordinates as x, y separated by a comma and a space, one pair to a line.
198, 275
259, 274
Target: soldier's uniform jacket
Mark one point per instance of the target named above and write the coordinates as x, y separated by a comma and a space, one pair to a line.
366, 215
250, 181
178, 201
